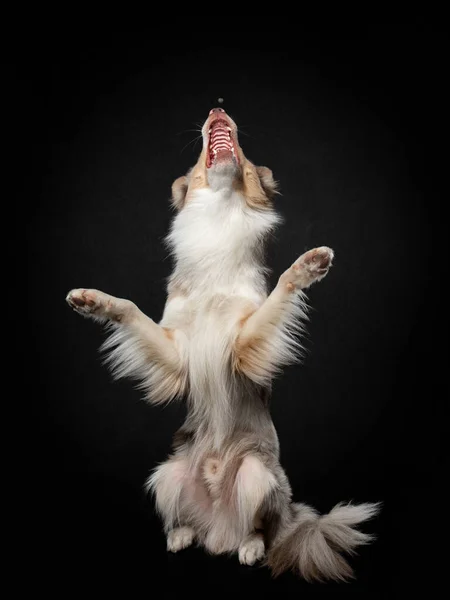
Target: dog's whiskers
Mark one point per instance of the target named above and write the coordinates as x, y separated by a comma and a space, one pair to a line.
194, 141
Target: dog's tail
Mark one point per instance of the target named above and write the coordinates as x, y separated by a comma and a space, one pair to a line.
312, 544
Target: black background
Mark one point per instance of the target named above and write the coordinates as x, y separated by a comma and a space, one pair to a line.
350, 125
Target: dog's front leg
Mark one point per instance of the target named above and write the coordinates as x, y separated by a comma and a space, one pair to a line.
267, 339
138, 347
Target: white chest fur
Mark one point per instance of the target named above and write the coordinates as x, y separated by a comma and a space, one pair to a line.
216, 241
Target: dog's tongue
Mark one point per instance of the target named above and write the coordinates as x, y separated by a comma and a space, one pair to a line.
224, 155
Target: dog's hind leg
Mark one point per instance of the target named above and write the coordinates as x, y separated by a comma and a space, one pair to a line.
252, 549
181, 500
138, 347
180, 538
266, 340
242, 494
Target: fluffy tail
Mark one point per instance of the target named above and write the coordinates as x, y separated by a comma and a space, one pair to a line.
311, 544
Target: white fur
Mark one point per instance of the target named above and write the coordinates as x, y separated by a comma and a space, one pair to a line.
180, 538
167, 482
252, 549
215, 243
253, 483
159, 366
220, 342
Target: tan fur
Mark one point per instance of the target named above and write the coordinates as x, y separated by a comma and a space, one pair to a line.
253, 190
253, 349
231, 470
183, 187
255, 183
169, 333
213, 475
220, 342
252, 354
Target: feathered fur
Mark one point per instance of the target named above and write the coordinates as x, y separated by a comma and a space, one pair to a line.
221, 340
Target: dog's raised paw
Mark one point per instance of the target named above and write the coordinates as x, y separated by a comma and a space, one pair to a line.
316, 261
310, 267
82, 300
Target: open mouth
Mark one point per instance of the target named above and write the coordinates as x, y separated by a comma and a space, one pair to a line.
221, 146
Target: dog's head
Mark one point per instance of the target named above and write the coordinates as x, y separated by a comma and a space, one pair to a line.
222, 165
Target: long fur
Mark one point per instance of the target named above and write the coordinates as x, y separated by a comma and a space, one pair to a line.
221, 341
312, 544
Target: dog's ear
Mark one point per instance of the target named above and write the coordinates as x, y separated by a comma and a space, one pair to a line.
268, 183
179, 191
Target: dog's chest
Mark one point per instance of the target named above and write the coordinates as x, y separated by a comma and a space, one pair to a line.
211, 315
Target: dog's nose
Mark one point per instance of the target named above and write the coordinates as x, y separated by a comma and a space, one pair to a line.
216, 110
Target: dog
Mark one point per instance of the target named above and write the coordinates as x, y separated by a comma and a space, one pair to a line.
221, 341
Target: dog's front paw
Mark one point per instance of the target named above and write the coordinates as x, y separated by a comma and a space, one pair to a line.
89, 303
312, 266
315, 262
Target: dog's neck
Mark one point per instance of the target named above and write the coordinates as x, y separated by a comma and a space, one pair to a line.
217, 241
221, 178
